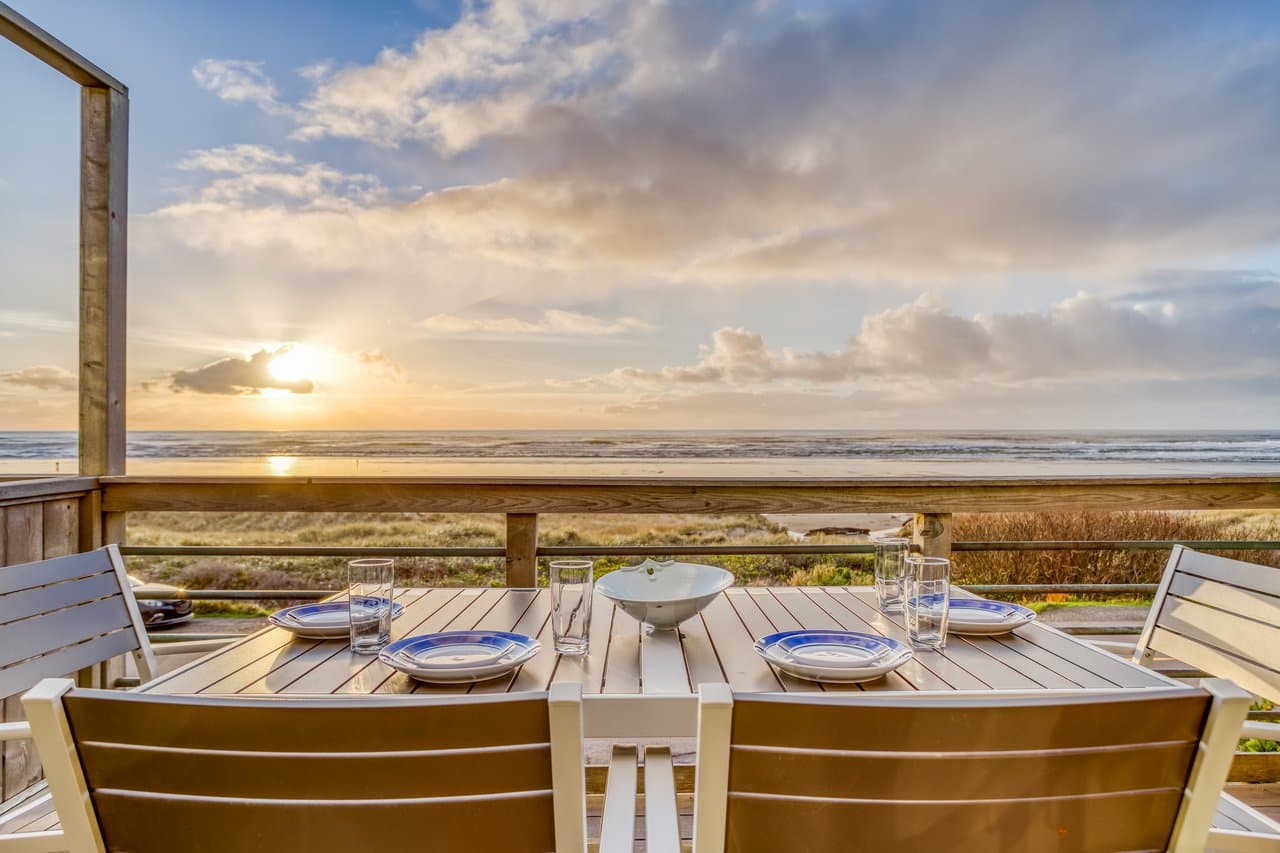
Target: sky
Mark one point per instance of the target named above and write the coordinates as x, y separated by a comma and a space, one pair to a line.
641, 214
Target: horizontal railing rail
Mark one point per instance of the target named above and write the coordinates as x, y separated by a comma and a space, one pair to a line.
662, 550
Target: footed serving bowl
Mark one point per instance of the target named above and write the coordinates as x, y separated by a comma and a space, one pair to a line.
664, 594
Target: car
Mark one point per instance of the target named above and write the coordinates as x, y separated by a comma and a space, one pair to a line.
160, 612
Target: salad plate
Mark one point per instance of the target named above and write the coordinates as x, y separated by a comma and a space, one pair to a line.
327, 620
980, 617
459, 657
838, 657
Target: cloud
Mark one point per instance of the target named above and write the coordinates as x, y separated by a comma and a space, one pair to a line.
34, 321
42, 378
249, 176
235, 159
925, 343
238, 375
553, 323
743, 140
238, 81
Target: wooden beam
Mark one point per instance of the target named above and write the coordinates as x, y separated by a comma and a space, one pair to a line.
533, 495
932, 533
522, 549
104, 178
46, 487
35, 41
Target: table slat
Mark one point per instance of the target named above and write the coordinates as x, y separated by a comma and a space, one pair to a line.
715, 646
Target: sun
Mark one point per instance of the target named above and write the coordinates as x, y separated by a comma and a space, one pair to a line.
295, 364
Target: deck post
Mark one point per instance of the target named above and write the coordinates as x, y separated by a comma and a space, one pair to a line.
522, 549
932, 534
104, 176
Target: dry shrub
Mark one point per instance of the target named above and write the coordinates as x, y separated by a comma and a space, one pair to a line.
1058, 567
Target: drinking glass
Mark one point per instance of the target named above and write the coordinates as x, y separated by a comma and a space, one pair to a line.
370, 588
928, 593
890, 551
571, 605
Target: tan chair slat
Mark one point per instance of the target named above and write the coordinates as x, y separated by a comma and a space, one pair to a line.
314, 725
907, 776
1139, 821
33, 637
1246, 603
1221, 631
318, 776
46, 599
1022, 722
21, 676
163, 824
53, 570
1240, 668
1234, 572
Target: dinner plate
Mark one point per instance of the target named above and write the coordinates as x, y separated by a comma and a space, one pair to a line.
459, 657
978, 616
839, 657
324, 621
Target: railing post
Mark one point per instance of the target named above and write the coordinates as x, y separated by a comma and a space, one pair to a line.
104, 179
522, 549
932, 534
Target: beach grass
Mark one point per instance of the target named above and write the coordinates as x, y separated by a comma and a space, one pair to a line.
438, 529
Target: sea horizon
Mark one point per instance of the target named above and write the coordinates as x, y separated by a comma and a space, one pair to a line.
693, 452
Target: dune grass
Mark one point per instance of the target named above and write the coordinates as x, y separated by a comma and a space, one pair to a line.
437, 529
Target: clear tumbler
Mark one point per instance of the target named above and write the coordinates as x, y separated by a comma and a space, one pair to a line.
928, 591
571, 583
889, 568
370, 588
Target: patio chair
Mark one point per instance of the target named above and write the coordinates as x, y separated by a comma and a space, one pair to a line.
59, 616
1084, 771
1221, 617
143, 772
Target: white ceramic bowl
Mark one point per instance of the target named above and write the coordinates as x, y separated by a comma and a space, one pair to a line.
664, 594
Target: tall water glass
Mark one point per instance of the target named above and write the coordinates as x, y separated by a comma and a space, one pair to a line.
571, 582
370, 588
928, 591
889, 568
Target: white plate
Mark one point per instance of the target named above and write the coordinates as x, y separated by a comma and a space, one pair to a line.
837, 657
327, 620
980, 617
460, 657
664, 594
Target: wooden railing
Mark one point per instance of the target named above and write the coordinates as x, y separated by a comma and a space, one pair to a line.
932, 500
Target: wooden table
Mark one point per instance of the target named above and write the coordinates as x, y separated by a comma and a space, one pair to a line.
626, 660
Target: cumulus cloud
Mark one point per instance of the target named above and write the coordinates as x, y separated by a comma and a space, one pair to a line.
553, 323
739, 139
238, 375
41, 378
926, 342
237, 80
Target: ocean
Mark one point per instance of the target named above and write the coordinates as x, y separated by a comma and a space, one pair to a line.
671, 453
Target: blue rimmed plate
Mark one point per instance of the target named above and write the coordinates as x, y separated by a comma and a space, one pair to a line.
980, 617
327, 620
841, 657
460, 657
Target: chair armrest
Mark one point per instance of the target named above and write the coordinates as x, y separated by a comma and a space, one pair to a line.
49, 841
661, 814
618, 823
15, 731
1238, 841
1261, 730
190, 647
